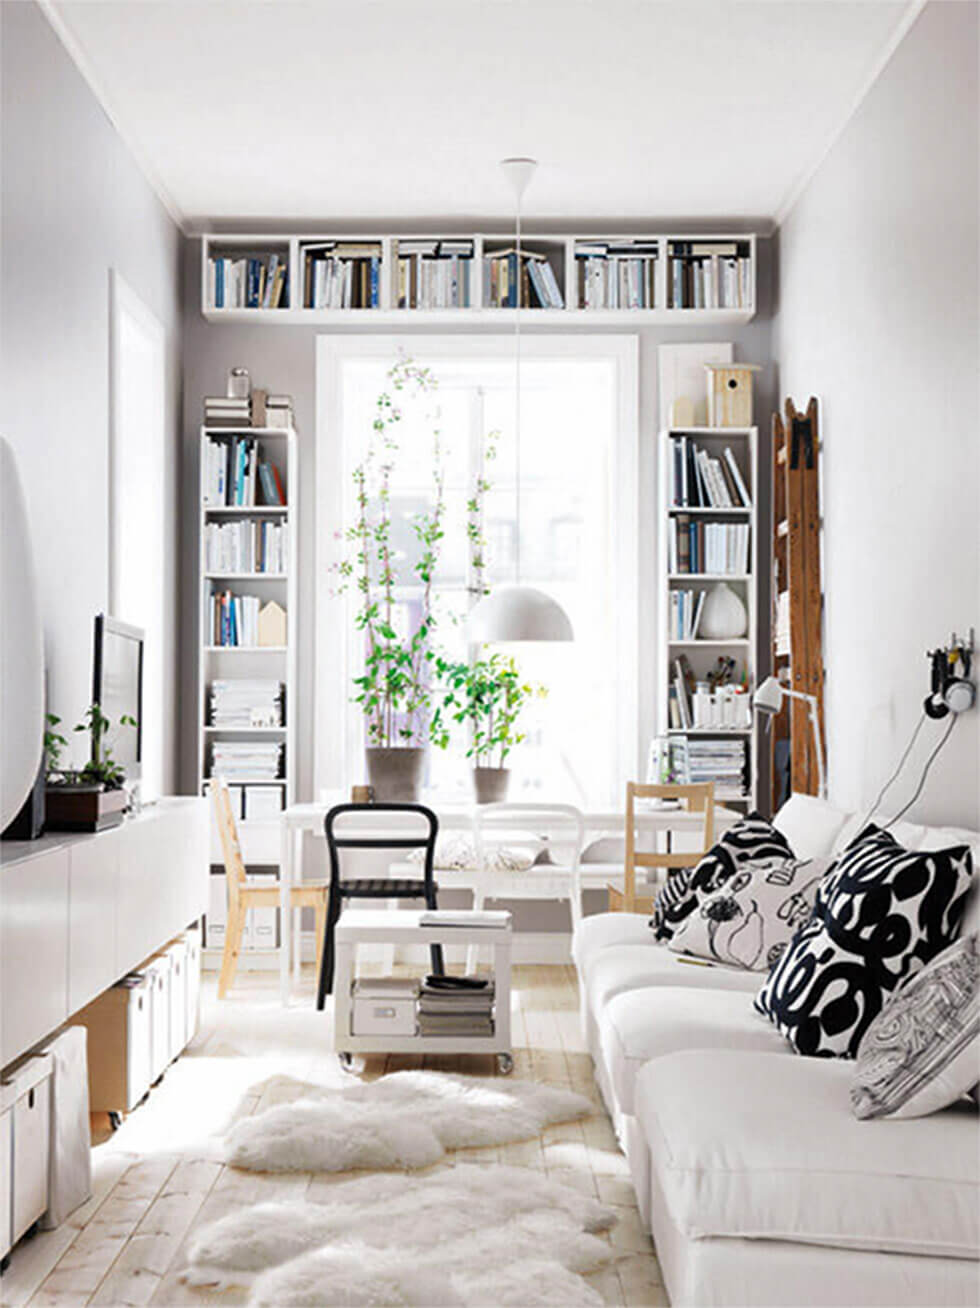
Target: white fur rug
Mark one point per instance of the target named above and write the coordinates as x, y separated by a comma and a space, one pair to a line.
402, 1121
466, 1235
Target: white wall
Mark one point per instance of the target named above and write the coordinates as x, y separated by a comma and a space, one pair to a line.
877, 314
74, 205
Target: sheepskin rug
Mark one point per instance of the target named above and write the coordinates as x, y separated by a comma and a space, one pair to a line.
403, 1121
465, 1235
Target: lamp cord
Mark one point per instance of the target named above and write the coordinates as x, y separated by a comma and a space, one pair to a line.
894, 776
925, 771
517, 401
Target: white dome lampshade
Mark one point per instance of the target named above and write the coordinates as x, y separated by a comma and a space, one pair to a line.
517, 613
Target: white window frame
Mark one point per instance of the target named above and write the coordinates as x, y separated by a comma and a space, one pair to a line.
337, 761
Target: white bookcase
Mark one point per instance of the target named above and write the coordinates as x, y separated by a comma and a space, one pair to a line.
259, 838
558, 250
702, 654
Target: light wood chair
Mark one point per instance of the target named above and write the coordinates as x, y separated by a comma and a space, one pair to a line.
698, 798
242, 896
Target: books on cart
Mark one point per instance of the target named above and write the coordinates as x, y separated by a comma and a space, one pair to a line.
463, 1009
465, 917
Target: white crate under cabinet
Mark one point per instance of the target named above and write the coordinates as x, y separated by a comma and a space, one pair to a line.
28, 1088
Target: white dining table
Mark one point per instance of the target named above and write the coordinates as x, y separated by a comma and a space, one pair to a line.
298, 820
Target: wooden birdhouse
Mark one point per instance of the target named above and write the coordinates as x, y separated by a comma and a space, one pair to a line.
272, 624
730, 394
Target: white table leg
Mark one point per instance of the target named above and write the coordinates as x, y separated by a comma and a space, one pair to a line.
286, 873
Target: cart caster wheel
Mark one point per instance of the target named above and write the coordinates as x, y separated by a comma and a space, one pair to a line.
505, 1064
115, 1120
346, 1062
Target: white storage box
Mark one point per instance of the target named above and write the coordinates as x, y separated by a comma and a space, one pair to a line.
384, 1006
30, 1088
177, 955
119, 1045
6, 1169
192, 976
157, 973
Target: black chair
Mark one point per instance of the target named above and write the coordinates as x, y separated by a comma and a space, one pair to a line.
375, 887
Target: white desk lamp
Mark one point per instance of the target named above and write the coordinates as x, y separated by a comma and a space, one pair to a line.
768, 699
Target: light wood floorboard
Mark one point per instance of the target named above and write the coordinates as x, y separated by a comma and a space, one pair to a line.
158, 1180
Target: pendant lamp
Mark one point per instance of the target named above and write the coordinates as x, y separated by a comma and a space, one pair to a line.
516, 612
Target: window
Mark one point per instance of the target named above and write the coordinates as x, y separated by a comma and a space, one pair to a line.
574, 537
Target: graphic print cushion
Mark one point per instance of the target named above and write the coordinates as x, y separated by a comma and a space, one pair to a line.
753, 839
880, 915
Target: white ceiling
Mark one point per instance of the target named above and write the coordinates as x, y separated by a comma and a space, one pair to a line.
402, 108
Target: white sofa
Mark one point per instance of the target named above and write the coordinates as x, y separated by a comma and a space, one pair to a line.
758, 1184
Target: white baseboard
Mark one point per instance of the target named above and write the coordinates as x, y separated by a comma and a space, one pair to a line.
541, 947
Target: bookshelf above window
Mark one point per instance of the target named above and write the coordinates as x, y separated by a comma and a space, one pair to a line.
656, 278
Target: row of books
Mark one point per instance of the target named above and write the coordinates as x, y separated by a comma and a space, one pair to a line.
233, 620
237, 475
710, 275
245, 702
725, 762
701, 480
619, 275
256, 546
248, 283
712, 547
342, 275
685, 613
257, 409
533, 284
445, 283
247, 760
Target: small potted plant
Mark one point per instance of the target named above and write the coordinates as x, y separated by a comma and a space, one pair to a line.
488, 696
89, 798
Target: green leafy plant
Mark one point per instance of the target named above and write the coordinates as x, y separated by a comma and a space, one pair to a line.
101, 769
488, 696
475, 518
393, 689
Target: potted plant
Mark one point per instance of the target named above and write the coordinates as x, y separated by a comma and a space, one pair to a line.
393, 688
90, 798
488, 696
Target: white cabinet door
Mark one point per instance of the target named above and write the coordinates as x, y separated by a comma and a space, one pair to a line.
33, 951
94, 882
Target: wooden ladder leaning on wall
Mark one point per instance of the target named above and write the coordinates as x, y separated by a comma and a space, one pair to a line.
798, 663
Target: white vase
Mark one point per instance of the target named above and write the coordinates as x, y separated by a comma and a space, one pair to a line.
724, 616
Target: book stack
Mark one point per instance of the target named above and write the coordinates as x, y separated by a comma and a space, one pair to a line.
246, 702
456, 1006
700, 480
232, 547
225, 411
534, 285
246, 760
617, 274
718, 548
342, 274
236, 474
256, 282
725, 762
685, 613
233, 619
435, 274
710, 275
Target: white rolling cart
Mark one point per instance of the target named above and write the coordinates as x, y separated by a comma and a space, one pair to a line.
396, 927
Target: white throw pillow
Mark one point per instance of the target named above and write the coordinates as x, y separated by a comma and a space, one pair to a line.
457, 853
749, 921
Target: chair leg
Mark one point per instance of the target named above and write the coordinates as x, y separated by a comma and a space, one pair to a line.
435, 951
320, 931
325, 979
229, 958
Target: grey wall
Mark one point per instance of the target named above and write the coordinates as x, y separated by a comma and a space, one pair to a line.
74, 206
282, 358
877, 316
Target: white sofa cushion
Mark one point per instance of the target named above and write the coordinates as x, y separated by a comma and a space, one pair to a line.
645, 1024
762, 1146
636, 967
602, 930
809, 824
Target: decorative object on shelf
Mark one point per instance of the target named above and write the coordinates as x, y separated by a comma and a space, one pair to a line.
680, 375
272, 624
487, 696
239, 384
21, 646
768, 699
516, 612
730, 394
724, 616
90, 798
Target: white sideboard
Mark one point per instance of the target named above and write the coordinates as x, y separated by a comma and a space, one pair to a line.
77, 912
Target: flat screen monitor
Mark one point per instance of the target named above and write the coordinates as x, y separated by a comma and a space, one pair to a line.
117, 688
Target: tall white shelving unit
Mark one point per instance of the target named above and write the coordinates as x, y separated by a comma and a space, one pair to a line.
703, 654
259, 838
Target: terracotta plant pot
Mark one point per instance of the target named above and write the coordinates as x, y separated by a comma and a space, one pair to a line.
395, 774
83, 808
491, 784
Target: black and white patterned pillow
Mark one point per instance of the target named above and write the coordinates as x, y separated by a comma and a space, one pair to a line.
881, 914
752, 840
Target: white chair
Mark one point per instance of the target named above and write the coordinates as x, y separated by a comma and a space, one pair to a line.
558, 828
